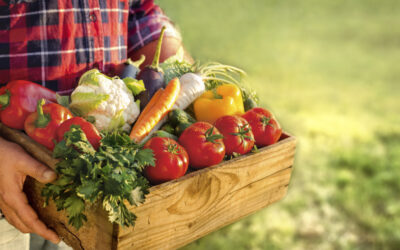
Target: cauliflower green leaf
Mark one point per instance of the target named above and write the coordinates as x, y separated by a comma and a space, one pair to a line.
90, 77
117, 121
135, 86
85, 102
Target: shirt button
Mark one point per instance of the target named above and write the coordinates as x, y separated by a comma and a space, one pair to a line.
92, 17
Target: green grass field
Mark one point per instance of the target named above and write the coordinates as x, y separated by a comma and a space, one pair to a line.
330, 71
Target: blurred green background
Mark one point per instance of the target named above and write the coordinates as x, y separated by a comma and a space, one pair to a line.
330, 71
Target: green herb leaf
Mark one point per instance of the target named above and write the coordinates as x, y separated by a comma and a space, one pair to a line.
88, 190
74, 205
146, 157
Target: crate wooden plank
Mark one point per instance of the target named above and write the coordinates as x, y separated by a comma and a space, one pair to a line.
180, 211
186, 225
96, 233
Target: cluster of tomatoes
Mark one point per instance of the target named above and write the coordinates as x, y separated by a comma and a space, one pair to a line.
203, 144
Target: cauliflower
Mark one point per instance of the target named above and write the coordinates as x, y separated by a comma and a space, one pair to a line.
108, 100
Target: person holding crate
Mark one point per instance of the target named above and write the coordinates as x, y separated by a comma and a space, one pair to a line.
52, 42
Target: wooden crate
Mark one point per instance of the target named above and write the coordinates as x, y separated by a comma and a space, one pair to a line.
180, 211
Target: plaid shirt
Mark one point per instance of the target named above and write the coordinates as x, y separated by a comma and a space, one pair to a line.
53, 42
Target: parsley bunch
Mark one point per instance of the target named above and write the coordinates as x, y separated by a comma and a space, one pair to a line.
108, 176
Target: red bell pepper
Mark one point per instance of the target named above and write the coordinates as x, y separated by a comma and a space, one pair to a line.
18, 99
42, 125
91, 132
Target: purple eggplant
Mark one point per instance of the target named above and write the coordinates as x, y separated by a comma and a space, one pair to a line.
131, 68
152, 76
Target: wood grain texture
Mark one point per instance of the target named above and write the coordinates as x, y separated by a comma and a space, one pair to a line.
179, 212
97, 232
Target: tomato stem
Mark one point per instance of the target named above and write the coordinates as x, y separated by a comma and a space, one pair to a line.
43, 119
266, 121
216, 95
243, 130
173, 148
212, 137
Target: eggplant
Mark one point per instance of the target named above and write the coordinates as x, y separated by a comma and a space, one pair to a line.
152, 76
131, 68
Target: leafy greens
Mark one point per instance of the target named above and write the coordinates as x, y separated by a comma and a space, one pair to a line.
176, 66
109, 176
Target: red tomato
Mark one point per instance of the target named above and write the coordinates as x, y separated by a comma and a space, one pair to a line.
265, 128
172, 160
204, 144
238, 137
89, 129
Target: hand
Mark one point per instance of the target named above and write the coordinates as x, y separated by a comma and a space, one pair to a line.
15, 165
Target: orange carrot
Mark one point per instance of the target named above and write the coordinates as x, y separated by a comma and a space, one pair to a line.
151, 103
161, 106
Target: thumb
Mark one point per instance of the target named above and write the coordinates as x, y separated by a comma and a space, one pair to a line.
39, 171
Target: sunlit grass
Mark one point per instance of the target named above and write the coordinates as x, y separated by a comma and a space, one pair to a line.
329, 70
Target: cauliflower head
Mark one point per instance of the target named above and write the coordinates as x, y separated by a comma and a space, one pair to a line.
108, 100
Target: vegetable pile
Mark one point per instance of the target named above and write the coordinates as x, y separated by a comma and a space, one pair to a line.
117, 135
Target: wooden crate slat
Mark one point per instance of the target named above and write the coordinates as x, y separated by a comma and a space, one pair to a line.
175, 232
95, 234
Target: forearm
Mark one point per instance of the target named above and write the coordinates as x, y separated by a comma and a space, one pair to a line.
169, 48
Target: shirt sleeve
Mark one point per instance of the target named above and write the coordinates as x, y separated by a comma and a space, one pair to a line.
144, 24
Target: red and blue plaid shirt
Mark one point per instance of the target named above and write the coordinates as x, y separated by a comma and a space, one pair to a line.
53, 42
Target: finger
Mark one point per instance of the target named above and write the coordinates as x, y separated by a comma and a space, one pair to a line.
28, 216
13, 219
35, 169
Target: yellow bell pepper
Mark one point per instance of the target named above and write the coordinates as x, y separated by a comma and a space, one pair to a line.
226, 99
